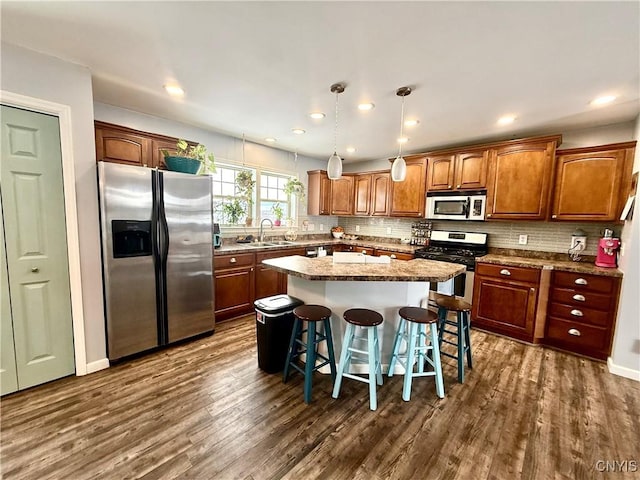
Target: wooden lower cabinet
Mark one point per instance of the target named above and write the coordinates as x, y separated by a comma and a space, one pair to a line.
582, 313
241, 279
505, 300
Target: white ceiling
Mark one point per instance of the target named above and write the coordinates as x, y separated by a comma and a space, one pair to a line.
260, 68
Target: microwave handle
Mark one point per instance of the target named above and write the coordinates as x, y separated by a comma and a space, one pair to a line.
467, 207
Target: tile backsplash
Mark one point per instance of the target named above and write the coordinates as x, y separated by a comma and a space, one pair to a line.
542, 236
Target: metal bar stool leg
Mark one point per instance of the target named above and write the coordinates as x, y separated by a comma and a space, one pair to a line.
344, 359
310, 361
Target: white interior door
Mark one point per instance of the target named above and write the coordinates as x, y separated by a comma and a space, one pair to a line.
36, 248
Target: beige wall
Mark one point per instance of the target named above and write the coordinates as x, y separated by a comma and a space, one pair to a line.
35, 75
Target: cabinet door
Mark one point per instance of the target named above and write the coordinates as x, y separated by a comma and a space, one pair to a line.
318, 193
440, 173
507, 308
471, 170
121, 147
588, 186
342, 195
362, 194
157, 156
380, 184
234, 292
268, 281
408, 197
519, 181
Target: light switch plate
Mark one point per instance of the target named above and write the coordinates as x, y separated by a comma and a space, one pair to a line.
311, 227
388, 230
321, 226
357, 228
523, 239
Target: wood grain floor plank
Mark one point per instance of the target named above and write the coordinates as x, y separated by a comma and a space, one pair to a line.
203, 410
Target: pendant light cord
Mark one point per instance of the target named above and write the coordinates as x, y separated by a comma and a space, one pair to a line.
401, 128
243, 149
335, 130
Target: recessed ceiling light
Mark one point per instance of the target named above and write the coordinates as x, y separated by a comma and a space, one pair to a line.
317, 115
506, 120
366, 106
270, 139
603, 100
411, 123
403, 140
351, 149
298, 131
174, 90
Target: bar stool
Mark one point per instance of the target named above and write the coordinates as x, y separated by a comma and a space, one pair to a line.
462, 324
311, 314
412, 328
369, 321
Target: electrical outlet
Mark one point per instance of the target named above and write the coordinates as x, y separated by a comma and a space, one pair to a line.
388, 230
321, 226
357, 228
311, 227
578, 243
523, 239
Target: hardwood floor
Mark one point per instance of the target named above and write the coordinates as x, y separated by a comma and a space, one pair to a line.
204, 410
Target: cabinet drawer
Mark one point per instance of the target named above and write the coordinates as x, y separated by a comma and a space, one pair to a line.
580, 314
518, 274
580, 299
396, 255
581, 281
233, 261
279, 253
576, 336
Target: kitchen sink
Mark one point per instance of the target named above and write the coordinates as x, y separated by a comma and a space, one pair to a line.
276, 243
279, 242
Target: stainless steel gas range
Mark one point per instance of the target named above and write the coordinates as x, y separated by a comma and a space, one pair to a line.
456, 247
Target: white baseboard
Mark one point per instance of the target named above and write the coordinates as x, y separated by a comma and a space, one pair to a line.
623, 371
97, 365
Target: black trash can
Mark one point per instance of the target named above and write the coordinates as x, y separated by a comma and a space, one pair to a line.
274, 323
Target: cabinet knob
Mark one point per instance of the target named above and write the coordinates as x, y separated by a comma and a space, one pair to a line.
35, 269
504, 271
392, 256
488, 214
364, 252
554, 216
575, 332
579, 298
532, 289
233, 260
577, 313
580, 281
449, 186
457, 186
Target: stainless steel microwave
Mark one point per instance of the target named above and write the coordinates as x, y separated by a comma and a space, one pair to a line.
456, 205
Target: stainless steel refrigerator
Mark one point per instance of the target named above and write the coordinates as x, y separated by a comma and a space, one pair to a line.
157, 254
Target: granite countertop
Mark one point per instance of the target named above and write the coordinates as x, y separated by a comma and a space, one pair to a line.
246, 247
323, 268
548, 264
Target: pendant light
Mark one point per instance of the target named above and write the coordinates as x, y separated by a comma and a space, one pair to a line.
334, 167
399, 166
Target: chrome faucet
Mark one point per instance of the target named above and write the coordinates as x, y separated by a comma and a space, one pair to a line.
261, 235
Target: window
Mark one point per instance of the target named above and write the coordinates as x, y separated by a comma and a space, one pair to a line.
229, 208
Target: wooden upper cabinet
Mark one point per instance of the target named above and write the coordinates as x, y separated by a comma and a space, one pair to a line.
408, 197
342, 195
471, 170
440, 172
157, 156
362, 194
318, 193
519, 179
118, 146
592, 183
380, 187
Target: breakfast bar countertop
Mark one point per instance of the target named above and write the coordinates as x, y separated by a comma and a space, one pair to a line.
323, 268
549, 264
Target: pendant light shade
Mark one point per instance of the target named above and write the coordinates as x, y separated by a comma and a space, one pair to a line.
334, 166
399, 166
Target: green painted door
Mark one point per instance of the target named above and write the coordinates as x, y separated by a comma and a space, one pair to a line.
36, 246
8, 374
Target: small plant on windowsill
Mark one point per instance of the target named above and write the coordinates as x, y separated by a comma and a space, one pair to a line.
189, 158
278, 212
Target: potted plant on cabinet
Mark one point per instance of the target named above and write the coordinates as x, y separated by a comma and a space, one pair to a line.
244, 188
189, 158
278, 212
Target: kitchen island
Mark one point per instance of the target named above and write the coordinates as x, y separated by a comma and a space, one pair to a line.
384, 288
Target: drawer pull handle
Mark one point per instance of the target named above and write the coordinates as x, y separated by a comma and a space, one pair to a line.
392, 256
580, 281
575, 332
35, 269
579, 298
577, 313
233, 260
504, 271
